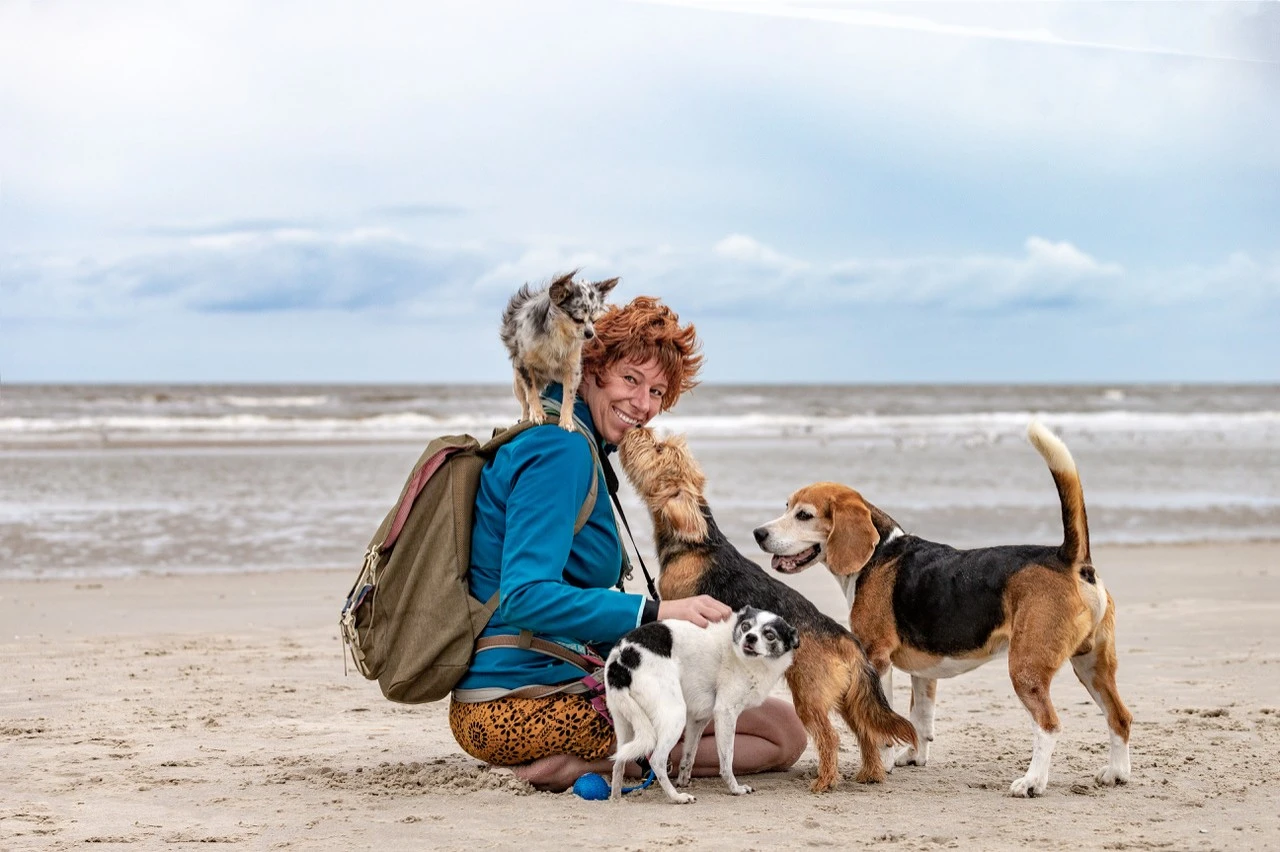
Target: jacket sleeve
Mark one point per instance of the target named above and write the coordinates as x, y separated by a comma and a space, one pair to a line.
551, 475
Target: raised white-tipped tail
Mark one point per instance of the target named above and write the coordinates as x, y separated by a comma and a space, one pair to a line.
1050, 447
1075, 522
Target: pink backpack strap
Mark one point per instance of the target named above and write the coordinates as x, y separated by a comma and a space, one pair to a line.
411, 493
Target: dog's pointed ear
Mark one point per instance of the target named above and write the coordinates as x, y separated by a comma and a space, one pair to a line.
853, 537
560, 286
684, 513
604, 287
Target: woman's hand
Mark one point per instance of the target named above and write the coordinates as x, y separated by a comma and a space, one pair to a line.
700, 610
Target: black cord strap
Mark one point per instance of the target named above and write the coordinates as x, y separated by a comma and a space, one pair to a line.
611, 483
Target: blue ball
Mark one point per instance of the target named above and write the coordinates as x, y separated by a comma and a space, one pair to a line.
592, 787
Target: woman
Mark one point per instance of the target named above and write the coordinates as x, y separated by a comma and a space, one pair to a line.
558, 585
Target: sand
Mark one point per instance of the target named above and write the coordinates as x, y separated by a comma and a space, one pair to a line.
141, 713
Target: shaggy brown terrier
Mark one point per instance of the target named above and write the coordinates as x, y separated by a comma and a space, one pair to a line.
830, 672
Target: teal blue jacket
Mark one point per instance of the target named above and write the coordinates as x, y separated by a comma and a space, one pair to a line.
551, 582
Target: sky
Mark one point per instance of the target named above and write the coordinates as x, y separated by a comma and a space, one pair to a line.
832, 192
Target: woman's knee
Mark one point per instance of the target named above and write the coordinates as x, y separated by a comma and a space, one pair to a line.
787, 731
776, 722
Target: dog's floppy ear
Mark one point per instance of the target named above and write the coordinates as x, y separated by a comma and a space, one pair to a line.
684, 513
789, 635
604, 287
853, 537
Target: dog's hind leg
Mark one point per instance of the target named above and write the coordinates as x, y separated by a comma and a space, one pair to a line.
817, 721
522, 396
693, 729
625, 733
1096, 669
1031, 668
668, 732
872, 770
533, 394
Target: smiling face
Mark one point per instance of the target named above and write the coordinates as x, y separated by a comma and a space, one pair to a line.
626, 396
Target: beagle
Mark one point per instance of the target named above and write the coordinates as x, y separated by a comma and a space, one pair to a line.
935, 611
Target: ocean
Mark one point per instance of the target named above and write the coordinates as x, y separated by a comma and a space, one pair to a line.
118, 480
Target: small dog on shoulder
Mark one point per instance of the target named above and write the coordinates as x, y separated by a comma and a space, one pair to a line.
666, 678
544, 329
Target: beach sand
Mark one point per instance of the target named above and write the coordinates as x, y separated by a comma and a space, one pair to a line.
140, 713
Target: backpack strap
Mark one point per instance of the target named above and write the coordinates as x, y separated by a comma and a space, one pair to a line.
589, 504
589, 664
586, 662
589, 685
502, 436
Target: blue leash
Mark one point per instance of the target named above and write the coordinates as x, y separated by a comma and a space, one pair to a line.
594, 788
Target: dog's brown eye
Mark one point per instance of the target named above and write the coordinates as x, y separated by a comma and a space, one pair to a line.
802, 515
770, 635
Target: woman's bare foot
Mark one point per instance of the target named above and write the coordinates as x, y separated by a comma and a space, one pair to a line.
558, 772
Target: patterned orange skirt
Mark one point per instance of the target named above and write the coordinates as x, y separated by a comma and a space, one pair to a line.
512, 731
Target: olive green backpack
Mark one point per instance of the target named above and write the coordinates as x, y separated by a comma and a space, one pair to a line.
410, 620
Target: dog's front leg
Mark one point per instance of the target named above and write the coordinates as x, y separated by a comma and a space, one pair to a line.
924, 691
572, 376
692, 737
889, 754
726, 725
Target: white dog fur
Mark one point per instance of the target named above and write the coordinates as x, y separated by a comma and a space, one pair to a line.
666, 678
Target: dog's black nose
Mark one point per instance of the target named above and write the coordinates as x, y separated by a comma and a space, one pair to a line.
761, 534
588, 333
749, 639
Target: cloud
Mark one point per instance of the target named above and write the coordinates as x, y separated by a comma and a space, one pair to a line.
379, 270
1047, 274
288, 270
419, 211
744, 249
233, 226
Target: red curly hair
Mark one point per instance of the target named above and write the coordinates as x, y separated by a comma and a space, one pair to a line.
646, 330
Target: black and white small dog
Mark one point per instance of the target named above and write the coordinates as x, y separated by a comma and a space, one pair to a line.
543, 330
670, 677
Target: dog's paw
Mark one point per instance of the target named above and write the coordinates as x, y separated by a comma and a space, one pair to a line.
871, 775
822, 785
1110, 776
684, 779
911, 757
1028, 787
741, 789
538, 417
683, 799
567, 425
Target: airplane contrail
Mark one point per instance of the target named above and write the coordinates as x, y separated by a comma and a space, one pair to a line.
883, 20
